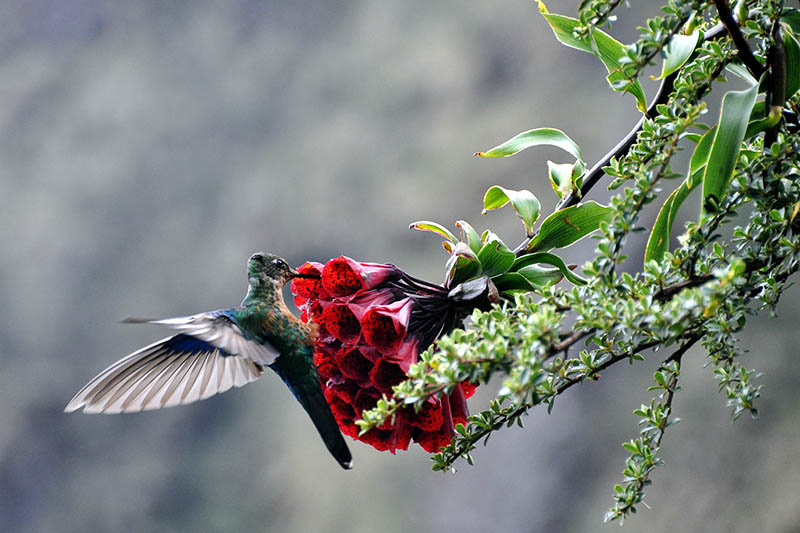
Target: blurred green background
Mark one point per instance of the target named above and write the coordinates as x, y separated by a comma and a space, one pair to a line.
148, 148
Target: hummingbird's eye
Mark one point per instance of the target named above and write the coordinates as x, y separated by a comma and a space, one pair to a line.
280, 263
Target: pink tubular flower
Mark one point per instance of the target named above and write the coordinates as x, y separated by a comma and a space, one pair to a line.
372, 328
343, 276
385, 326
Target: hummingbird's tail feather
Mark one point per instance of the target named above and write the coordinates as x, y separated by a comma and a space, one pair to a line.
320, 412
309, 393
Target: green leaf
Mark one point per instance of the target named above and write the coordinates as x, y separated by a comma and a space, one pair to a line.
792, 48
462, 265
569, 225
469, 235
535, 137
741, 72
658, 242
699, 159
602, 46
734, 115
540, 277
791, 17
512, 282
677, 52
528, 279
524, 202
548, 259
495, 257
561, 177
424, 225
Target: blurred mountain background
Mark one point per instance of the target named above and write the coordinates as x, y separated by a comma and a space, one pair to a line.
148, 148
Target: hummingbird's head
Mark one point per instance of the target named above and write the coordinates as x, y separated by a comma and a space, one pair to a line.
263, 269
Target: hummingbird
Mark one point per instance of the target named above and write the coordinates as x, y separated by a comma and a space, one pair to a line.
217, 350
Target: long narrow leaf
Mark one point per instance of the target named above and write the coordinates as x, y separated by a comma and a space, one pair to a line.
735, 112
425, 225
792, 64
602, 46
658, 243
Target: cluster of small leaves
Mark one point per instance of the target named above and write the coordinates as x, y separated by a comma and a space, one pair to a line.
658, 32
654, 419
596, 13
702, 291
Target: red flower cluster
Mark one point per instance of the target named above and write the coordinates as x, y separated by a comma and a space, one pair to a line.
366, 344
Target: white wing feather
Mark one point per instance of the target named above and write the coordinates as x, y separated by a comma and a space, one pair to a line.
164, 375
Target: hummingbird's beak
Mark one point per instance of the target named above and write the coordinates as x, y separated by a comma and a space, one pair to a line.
296, 274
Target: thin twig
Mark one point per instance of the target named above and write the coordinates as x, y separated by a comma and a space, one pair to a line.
777, 79
595, 173
745, 53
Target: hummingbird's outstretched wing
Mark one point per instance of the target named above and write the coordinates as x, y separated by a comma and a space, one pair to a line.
210, 356
220, 329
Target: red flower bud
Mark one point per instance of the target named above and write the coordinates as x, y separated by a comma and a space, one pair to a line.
340, 322
308, 288
431, 441
343, 276
324, 362
364, 347
430, 417
384, 326
386, 374
458, 406
353, 364
468, 388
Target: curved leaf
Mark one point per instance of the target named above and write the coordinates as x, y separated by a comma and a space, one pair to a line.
524, 202
734, 115
677, 52
512, 282
527, 260
495, 257
535, 137
425, 225
699, 159
658, 242
528, 279
469, 235
792, 64
602, 46
569, 225
462, 265
561, 177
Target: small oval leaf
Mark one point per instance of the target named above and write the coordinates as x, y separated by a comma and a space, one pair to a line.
677, 52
